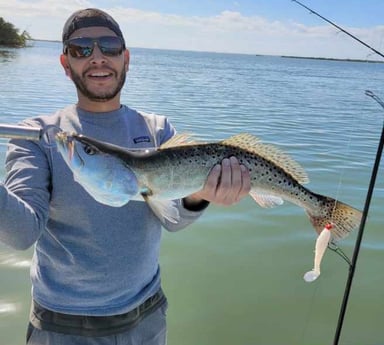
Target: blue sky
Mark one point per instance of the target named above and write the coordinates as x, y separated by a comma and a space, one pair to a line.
348, 12
276, 27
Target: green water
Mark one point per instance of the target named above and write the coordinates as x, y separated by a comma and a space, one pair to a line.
242, 284
235, 276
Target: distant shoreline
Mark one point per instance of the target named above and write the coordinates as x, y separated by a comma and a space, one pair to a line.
282, 56
54, 41
329, 59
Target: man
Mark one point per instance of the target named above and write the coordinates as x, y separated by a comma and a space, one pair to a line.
95, 272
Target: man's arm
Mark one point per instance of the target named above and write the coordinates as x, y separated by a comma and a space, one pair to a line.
24, 196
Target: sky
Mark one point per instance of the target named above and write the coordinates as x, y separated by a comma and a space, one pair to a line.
266, 27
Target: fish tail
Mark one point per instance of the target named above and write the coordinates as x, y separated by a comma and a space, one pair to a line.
344, 218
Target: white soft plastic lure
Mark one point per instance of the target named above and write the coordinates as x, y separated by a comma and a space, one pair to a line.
320, 247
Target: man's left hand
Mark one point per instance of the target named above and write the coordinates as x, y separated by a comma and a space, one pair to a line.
227, 184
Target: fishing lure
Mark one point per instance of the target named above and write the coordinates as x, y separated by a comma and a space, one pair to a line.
371, 187
321, 245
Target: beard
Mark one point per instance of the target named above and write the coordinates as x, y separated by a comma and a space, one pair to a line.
107, 95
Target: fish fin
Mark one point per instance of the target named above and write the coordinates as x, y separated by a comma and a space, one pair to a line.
264, 200
343, 218
250, 143
163, 209
182, 139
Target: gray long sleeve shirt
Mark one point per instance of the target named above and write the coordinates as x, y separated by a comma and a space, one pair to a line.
89, 259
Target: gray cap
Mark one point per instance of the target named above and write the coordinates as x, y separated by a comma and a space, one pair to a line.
90, 17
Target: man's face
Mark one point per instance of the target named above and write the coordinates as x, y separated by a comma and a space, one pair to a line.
98, 78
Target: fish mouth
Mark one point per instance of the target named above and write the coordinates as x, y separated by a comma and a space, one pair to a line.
66, 141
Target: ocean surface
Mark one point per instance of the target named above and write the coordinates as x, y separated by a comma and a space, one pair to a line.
235, 277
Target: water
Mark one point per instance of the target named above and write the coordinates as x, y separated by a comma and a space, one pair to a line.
235, 276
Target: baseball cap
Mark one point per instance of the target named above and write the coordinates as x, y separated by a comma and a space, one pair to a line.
90, 17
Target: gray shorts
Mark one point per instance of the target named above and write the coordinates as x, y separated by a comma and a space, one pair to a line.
150, 329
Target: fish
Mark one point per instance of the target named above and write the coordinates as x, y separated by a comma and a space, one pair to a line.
114, 175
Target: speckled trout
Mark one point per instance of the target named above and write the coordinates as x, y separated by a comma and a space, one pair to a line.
114, 175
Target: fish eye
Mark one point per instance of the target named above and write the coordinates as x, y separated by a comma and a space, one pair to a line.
89, 150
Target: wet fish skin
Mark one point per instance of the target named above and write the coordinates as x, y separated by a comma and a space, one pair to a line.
178, 169
114, 186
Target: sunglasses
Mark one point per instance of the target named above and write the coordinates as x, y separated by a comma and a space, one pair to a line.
82, 47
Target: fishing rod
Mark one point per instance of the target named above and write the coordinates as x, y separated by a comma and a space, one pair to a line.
360, 233
20, 132
340, 28
375, 169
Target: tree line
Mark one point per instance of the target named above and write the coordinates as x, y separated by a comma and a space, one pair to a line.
10, 37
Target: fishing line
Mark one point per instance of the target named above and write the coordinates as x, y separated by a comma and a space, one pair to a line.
375, 169
336, 249
340, 28
362, 226
332, 245
308, 313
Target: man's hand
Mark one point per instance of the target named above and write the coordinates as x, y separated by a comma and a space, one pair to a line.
227, 184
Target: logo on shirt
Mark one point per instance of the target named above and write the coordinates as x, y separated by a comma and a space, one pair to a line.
142, 139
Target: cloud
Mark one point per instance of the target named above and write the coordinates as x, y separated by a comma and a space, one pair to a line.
41, 8
228, 31
231, 31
